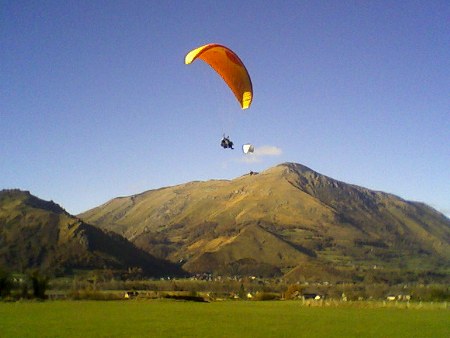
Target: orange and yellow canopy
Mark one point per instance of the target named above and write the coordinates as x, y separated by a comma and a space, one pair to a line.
229, 66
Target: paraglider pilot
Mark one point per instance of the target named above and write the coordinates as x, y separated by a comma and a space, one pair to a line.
226, 143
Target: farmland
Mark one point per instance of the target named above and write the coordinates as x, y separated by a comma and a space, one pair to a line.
169, 318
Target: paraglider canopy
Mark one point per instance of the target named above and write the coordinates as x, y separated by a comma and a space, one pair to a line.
248, 148
229, 66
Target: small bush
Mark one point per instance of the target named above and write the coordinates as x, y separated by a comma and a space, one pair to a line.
266, 296
93, 295
293, 291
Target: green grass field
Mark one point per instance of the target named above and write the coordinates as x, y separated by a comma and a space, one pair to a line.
167, 318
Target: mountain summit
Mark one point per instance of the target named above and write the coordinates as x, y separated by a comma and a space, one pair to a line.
287, 220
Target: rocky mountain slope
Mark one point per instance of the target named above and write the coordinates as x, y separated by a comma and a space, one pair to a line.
37, 234
287, 220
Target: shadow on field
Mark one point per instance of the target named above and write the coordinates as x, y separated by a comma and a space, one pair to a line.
187, 298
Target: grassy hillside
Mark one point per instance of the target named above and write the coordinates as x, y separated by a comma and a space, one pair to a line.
37, 234
284, 218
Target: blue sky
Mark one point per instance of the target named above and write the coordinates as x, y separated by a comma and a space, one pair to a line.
96, 101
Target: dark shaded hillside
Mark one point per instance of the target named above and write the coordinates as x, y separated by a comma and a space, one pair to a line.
377, 215
284, 219
36, 234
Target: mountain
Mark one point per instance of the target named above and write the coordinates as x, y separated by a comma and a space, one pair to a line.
38, 234
287, 220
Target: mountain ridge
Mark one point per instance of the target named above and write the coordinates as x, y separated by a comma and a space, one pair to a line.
38, 234
339, 224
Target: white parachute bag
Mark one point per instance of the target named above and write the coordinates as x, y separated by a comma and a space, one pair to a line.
248, 148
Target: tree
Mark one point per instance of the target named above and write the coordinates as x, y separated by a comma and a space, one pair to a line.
5, 283
40, 284
242, 294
